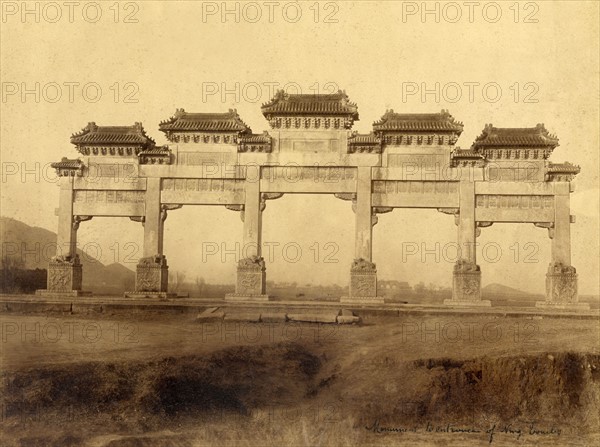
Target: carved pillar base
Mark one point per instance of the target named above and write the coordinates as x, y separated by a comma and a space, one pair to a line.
363, 283
466, 286
561, 288
151, 278
65, 277
251, 282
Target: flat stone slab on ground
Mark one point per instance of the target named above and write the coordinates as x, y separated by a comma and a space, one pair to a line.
251, 317
273, 317
362, 300
562, 306
211, 314
150, 295
57, 294
244, 298
325, 317
342, 319
474, 303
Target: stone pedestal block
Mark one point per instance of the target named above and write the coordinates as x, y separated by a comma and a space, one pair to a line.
251, 281
65, 277
152, 274
466, 285
363, 283
561, 288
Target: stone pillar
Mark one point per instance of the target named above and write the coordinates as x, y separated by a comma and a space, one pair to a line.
561, 278
466, 275
363, 272
65, 275
152, 271
251, 272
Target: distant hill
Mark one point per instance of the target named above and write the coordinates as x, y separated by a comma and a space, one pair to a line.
499, 291
33, 247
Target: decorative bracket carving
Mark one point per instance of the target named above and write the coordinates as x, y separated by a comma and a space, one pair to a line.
345, 195
78, 219
271, 195
168, 207
548, 225
379, 210
481, 224
348, 196
239, 208
268, 196
453, 211
141, 219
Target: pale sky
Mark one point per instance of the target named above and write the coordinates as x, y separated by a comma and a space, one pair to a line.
547, 72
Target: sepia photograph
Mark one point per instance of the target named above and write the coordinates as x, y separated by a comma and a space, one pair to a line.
299, 223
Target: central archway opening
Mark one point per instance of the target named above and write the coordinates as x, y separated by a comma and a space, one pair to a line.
514, 259
109, 249
415, 250
202, 244
308, 247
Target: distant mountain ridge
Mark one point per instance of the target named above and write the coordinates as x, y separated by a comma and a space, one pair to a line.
498, 291
33, 247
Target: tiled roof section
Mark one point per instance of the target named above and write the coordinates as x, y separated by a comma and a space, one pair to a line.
418, 122
157, 150
68, 167
310, 104
183, 121
367, 139
255, 143
118, 135
501, 137
158, 154
263, 138
561, 172
563, 168
66, 163
364, 143
466, 153
466, 157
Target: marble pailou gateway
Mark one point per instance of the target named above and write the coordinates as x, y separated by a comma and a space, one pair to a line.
406, 161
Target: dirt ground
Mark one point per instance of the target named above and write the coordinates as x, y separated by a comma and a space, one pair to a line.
167, 380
